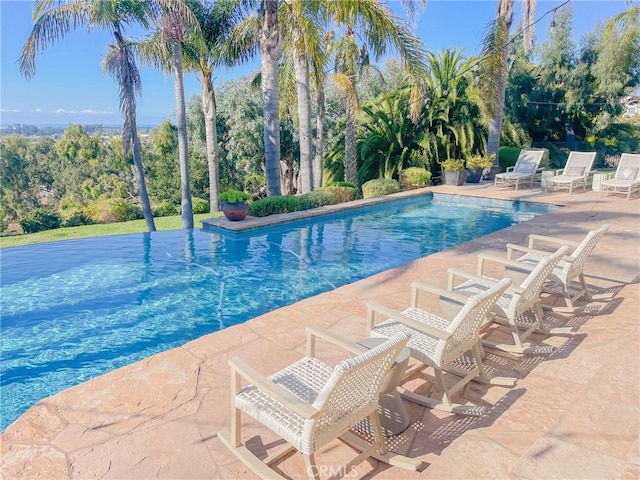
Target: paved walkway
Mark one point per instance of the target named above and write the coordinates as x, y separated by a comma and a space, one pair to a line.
574, 413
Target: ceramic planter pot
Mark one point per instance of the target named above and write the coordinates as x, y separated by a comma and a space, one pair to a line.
455, 177
474, 175
235, 211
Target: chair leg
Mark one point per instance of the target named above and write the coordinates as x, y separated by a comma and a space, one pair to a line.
310, 466
587, 295
377, 432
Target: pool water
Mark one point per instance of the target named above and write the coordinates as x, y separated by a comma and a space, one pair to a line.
76, 309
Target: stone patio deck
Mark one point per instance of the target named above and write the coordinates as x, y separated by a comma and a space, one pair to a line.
574, 413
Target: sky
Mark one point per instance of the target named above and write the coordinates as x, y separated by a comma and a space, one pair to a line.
69, 86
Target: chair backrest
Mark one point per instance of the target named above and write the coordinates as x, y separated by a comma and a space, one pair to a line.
534, 282
351, 392
628, 167
582, 251
579, 163
528, 161
466, 324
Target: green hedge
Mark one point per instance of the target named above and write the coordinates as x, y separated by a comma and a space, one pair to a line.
39, 219
341, 194
315, 199
273, 205
380, 186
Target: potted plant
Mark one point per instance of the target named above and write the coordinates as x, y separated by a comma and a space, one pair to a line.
454, 172
476, 165
234, 204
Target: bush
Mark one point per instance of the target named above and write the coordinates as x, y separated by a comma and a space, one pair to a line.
113, 210
507, 156
452, 165
379, 186
74, 217
412, 176
342, 184
166, 209
256, 185
39, 219
341, 194
233, 196
315, 199
199, 205
272, 205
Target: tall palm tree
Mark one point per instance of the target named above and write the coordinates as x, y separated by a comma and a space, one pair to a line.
271, 50
302, 33
173, 28
212, 45
380, 30
53, 20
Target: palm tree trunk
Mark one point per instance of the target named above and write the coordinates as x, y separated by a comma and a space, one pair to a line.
304, 119
350, 157
318, 161
211, 136
270, 48
505, 16
183, 149
139, 170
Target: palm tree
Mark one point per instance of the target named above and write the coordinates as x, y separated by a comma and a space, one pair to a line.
380, 30
494, 70
271, 50
53, 20
210, 46
173, 29
301, 29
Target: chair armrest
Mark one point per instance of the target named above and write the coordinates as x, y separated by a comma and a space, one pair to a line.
544, 238
314, 332
455, 272
507, 262
449, 295
510, 169
275, 391
373, 308
512, 246
482, 279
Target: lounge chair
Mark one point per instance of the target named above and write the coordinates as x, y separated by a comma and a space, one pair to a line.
519, 306
309, 403
570, 268
523, 171
627, 176
442, 342
575, 172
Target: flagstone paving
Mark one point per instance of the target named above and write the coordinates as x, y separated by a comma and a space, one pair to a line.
574, 413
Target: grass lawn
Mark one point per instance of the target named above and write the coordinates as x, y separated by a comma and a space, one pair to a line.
68, 233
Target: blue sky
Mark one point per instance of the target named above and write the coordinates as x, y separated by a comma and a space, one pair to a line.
69, 86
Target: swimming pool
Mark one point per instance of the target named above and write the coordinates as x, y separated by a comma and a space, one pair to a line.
76, 309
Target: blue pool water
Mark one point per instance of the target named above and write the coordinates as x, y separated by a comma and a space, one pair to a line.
76, 309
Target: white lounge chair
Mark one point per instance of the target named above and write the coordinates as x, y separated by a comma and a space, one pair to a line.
575, 172
523, 171
568, 269
310, 403
519, 306
442, 343
627, 176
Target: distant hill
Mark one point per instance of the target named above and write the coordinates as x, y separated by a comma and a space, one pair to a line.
53, 130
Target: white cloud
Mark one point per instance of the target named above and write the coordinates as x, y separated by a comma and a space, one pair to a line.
4, 110
62, 111
37, 110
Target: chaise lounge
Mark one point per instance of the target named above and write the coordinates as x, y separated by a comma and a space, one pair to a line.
575, 172
523, 171
627, 176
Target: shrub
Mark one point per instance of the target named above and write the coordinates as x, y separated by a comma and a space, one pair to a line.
342, 184
113, 210
507, 156
199, 205
39, 219
341, 194
256, 185
315, 199
272, 205
379, 186
166, 209
412, 176
74, 217
233, 196
452, 165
